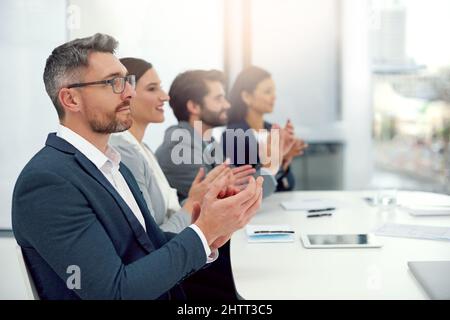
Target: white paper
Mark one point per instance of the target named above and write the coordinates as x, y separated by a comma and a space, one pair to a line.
309, 204
412, 199
428, 210
414, 231
274, 233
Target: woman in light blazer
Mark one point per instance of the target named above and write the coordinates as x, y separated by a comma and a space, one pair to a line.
214, 282
162, 200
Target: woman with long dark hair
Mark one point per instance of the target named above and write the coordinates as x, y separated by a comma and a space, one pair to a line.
251, 97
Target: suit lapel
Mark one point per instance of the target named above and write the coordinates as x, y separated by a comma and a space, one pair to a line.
134, 223
139, 232
153, 230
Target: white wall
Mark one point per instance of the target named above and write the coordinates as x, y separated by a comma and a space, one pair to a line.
29, 30
234, 15
297, 42
317, 52
357, 110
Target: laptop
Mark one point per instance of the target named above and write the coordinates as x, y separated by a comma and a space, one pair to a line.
434, 276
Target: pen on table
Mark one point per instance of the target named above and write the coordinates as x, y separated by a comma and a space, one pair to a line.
320, 210
319, 215
273, 231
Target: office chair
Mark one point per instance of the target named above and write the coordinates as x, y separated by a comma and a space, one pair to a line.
28, 280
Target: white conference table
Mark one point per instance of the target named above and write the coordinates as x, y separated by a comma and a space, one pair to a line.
289, 271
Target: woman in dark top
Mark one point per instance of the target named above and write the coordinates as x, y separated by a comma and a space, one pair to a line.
251, 97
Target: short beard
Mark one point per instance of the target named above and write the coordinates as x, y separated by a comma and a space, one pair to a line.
110, 127
109, 123
212, 118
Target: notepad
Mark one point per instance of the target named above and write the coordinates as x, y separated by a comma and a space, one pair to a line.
427, 210
309, 204
414, 231
269, 233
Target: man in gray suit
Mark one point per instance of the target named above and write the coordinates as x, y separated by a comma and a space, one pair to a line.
77, 211
197, 98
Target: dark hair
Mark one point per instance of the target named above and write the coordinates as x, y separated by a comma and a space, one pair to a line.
191, 85
63, 66
136, 66
247, 81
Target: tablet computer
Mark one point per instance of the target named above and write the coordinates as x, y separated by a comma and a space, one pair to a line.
363, 240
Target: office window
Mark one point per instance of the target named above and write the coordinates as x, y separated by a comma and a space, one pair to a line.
411, 94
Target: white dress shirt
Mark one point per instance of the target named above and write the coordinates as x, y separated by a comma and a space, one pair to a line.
108, 164
155, 188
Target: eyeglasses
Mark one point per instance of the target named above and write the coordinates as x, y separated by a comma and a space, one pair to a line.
117, 83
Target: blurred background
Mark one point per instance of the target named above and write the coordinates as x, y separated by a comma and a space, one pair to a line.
365, 82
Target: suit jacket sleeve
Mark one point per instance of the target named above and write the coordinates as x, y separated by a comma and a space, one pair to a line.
180, 175
63, 227
232, 151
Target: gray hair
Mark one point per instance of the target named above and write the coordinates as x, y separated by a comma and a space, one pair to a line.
65, 64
